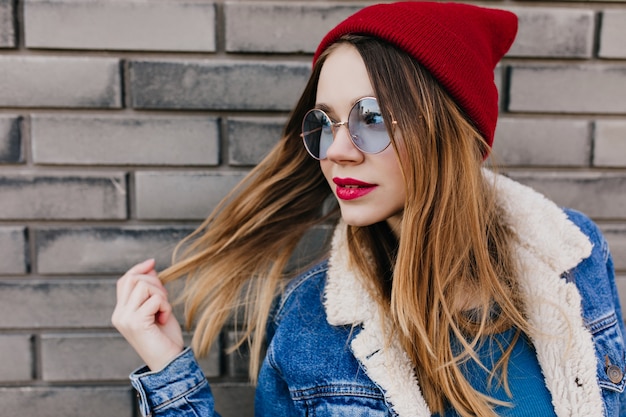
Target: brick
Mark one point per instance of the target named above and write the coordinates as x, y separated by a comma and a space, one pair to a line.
10, 139
181, 195
498, 80
225, 85
120, 25
104, 250
250, 139
610, 143
84, 357
233, 399
613, 34
14, 247
597, 194
280, 27
92, 357
236, 362
553, 33
16, 351
57, 303
102, 401
7, 24
55, 196
211, 363
113, 140
549, 142
615, 235
47, 81
568, 89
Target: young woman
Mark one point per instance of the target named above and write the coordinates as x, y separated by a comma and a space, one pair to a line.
446, 290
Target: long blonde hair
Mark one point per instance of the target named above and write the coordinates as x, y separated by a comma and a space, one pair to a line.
234, 264
452, 241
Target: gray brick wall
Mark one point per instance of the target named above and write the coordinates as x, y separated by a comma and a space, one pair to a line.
60, 81
7, 26
50, 195
554, 32
613, 32
10, 139
195, 194
217, 85
118, 140
610, 143
575, 88
158, 25
122, 124
14, 260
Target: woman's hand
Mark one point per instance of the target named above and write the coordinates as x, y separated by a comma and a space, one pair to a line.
144, 316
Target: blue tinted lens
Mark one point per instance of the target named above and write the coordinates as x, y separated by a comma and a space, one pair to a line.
317, 133
367, 126
365, 123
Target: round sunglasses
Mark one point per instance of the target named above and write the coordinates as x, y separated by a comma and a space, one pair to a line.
365, 124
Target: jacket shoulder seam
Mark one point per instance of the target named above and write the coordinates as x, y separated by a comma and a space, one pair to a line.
295, 284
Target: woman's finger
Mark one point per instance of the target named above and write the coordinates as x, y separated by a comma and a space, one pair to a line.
128, 281
163, 315
141, 292
142, 267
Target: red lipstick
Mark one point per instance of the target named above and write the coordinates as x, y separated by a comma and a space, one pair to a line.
350, 188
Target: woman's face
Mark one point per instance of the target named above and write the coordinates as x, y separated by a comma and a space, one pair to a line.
369, 187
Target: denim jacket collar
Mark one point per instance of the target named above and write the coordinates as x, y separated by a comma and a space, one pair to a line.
548, 244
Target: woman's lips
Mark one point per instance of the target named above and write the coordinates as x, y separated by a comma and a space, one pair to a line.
350, 188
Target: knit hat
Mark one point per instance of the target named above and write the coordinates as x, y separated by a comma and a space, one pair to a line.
460, 44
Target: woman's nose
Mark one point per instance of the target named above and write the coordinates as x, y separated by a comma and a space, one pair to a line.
342, 150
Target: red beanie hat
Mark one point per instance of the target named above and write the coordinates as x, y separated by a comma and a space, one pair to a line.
460, 44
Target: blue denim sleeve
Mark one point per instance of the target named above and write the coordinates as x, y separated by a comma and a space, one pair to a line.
618, 310
616, 302
595, 279
180, 389
272, 394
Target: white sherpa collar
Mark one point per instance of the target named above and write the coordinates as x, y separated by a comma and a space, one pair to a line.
548, 245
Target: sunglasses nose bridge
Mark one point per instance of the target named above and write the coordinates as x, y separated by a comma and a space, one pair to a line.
337, 125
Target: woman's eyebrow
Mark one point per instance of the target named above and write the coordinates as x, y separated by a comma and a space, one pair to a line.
327, 109
324, 107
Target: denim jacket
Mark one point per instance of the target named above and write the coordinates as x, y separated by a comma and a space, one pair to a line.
328, 354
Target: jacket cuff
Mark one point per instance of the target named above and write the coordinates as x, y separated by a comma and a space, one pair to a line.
154, 389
